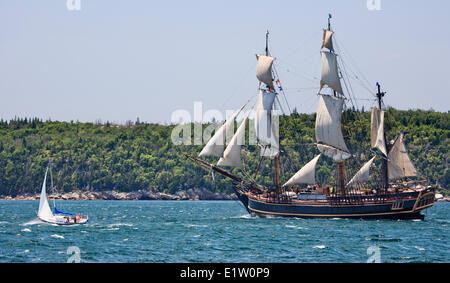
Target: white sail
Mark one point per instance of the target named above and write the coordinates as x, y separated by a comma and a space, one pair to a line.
272, 150
327, 39
399, 163
328, 128
374, 124
216, 145
377, 130
334, 153
44, 213
330, 75
363, 175
306, 175
264, 69
263, 117
232, 154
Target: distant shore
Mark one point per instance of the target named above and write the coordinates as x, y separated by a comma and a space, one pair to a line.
191, 194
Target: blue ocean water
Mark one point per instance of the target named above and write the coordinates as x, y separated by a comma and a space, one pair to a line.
213, 231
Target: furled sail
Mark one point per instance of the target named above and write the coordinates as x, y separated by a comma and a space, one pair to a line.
328, 128
216, 145
327, 39
363, 175
264, 69
232, 154
399, 164
330, 75
377, 130
44, 212
306, 175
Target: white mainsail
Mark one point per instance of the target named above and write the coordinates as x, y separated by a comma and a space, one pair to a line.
216, 145
377, 130
271, 151
232, 154
328, 128
266, 131
330, 75
327, 41
363, 175
399, 164
306, 175
44, 213
264, 69
374, 124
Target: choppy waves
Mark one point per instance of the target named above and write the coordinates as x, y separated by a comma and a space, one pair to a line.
146, 231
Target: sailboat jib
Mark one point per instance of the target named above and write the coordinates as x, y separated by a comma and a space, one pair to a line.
44, 213
327, 41
264, 69
306, 175
216, 145
328, 128
377, 130
363, 174
399, 164
330, 75
232, 154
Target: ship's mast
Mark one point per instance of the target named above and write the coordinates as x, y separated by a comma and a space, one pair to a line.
340, 166
276, 160
51, 181
329, 24
384, 165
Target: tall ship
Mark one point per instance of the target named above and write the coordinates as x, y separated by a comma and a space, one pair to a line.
301, 196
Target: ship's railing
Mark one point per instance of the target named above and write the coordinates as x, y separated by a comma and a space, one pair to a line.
338, 200
377, 199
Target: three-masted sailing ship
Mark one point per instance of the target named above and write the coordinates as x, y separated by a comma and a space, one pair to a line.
301, 195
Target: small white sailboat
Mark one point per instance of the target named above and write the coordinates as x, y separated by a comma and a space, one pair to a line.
56, 216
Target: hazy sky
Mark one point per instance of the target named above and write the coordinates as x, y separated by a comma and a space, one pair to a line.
118, 60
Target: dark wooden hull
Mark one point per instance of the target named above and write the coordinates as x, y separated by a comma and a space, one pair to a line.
403, 205
398, 206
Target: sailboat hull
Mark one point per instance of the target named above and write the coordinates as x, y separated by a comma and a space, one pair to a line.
64, 222
398, 206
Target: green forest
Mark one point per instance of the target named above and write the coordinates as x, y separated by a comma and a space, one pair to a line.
141, 156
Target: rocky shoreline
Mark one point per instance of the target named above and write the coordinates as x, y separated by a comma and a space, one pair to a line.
444, 199
191, 194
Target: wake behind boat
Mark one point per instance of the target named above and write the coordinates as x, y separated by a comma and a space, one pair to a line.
56, 217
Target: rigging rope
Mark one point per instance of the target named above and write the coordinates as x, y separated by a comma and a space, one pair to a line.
366, 84
282, 91
345, 78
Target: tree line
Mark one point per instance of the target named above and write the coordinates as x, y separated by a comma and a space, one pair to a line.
141, 156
